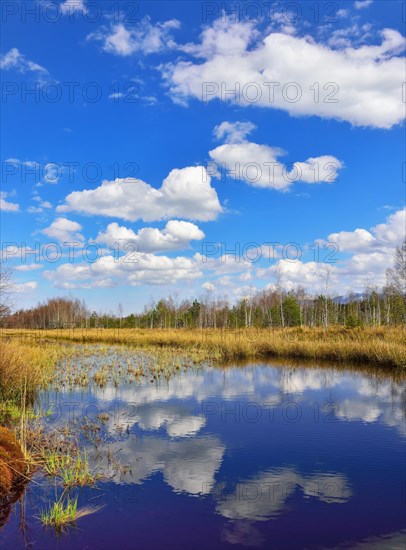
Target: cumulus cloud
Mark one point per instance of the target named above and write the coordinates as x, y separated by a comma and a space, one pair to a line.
365, 263
14, 59
185, 193
176, 235
22, 288
28, 267
380, 238
6, 206
372, 253
310, 275
70, 6
259, 165
361, 4
145, 38
208, 286
233, 132
133, 269
42, 205
64, 230
361, 85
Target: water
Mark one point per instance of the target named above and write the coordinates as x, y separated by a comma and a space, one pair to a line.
254, 456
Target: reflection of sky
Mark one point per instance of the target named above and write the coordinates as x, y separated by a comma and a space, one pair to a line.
230, 434
353, 396
187, 465
264, 496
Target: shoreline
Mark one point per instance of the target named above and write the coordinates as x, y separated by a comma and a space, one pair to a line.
376, 346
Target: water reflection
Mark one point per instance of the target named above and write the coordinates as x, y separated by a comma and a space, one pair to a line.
187, 465
264, 496
258, 445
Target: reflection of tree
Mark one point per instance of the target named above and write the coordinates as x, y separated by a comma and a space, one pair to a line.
6, 502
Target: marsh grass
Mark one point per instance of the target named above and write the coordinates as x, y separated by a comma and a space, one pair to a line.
25, 367
379, 346
73, 471
64, 513
58, 455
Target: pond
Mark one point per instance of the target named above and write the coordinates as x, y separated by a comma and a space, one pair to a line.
275, 456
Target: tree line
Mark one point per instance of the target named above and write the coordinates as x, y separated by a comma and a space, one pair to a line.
268, 308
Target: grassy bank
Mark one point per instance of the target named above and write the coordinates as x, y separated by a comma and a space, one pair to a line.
380, 346
25, 367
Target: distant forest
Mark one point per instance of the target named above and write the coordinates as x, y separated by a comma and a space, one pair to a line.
265, 308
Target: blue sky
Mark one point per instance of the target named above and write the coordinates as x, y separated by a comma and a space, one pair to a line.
140, 99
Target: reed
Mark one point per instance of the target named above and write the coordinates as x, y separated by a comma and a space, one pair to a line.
72, 469
378, 346
25, 368
64, 513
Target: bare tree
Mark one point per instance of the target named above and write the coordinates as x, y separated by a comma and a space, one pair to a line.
120, 311
326, 276
396, 275
279, 290
6, 287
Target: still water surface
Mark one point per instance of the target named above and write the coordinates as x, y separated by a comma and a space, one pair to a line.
254, 456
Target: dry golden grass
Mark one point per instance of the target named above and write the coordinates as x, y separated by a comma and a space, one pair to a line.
25, 367
380, 346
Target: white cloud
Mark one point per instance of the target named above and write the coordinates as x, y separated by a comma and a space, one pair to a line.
116, 95
6, 206
372, 254
233, 132
50, 172
42, 205
175, 236
342, 13
22, 288
382, 237
185, 193
144, 38
149, 100
13, 59
223, 38
357, 240
70, 6
259, 165
208, 286
360, 4
360, 85
307, 274
133, 269
34, 210
64, 230
28, 267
